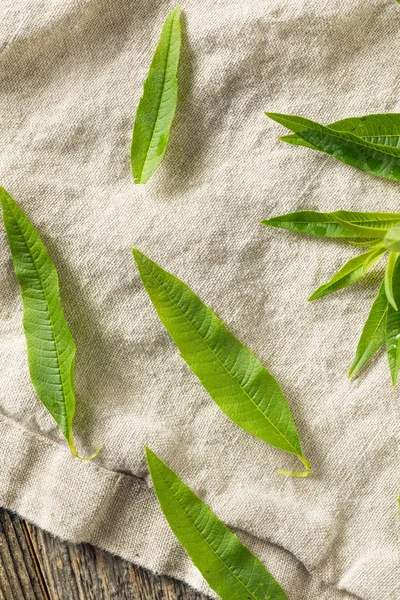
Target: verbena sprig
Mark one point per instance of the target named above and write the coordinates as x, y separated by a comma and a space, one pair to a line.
380, 233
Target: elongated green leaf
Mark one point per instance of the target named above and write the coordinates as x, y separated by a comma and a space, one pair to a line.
379, 129
351, 272
51, 349
393, 327
230, 569
157, 106
232, 375
392, 239
374, 333
389, 278
375, 159
338, 224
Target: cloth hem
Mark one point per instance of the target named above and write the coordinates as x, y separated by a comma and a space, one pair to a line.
35, 456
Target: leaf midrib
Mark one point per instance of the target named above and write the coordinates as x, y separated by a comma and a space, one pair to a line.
48, 312
369, 137
361, 223
362, 137
160, 99
224, 366
202, 536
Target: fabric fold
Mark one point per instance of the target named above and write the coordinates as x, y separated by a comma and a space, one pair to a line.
71, 76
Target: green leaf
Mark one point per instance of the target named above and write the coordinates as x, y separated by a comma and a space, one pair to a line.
230, 569
392, 239
373, 334
393, 327
376, 159
51, 349
233, 376
389, 278
351, 272
157, 106
379, 129
338, 224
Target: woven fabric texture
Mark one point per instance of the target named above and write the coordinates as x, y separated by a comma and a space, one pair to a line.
71, 76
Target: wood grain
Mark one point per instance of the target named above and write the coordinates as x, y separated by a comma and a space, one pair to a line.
36, 566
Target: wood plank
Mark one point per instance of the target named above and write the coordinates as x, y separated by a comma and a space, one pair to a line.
36, 566
19, 576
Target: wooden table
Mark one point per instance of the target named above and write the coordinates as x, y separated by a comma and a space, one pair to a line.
36, 566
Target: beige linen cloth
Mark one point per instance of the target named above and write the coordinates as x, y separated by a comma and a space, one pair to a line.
71, 75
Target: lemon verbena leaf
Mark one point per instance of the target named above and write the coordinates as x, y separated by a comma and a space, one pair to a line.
51, 348
393, 326
351, 272
157, 106
243, 389
228, 566
373, 335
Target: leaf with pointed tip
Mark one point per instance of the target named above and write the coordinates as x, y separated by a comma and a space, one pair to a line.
338, 224
157, 106
393, 327
51, 348
392, 239
373, 334
373, 158
389, 278
351, 272
228, 566
232, 375
379, 129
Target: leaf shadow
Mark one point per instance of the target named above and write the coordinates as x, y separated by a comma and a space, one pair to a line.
373, 278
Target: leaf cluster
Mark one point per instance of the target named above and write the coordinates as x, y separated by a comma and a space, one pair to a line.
380, 233
157, 106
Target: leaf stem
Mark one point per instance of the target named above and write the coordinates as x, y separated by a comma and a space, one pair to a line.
74, 451
298, 473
